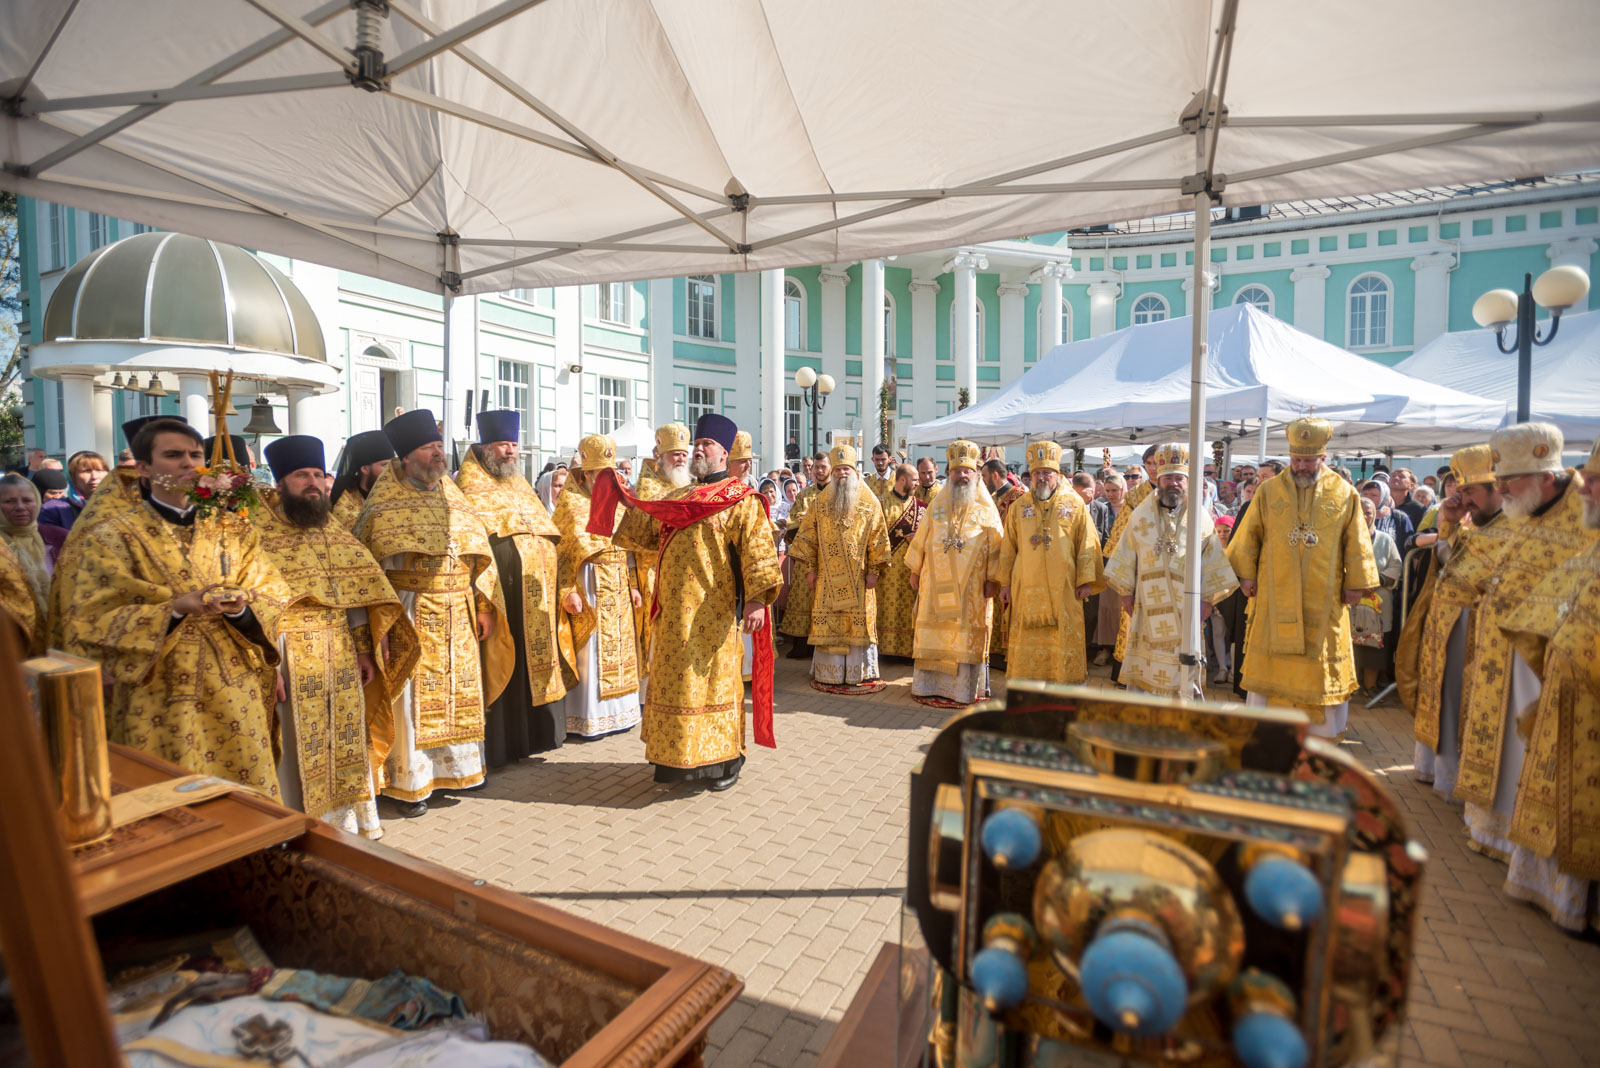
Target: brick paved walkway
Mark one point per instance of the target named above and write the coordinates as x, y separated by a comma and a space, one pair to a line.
794, 877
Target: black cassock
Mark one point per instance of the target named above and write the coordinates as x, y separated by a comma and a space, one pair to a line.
515, 727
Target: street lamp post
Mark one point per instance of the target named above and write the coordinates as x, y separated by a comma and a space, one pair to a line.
814, 391
1557, 289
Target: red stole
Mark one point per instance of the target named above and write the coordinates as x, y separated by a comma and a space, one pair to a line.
674, 514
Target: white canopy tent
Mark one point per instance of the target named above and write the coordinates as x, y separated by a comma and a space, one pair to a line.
471, 146
1566, 372
1133, 385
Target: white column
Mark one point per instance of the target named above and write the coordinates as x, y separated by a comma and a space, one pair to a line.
965, 266
871, 351
302, 411
1050, 277
1103, 307
1213, 283
569, 352
770, 442
104, 426
834, 281
1013, 299
194, 401
924, 350
320, 286
1430, 315
1310, 298
747, 354
662, 393
77, 398
1574, 252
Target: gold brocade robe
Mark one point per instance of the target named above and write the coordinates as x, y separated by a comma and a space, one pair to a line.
347, 509
328, 573
196, 690
694, 707
1135, 497
431, 543
1303, 548
1050, 548
1535, 547
1556, 628
1149, 564
18, 604
797, 609
611, 616
513, 511
926, 494
879, 485
897, 601
953, 555
841, 552
1001, 627
652, 487
117, 494
1474, 558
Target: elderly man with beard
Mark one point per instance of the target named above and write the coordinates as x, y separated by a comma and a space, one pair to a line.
1542, 499
1049, 565
527, 717
343, 641
435, 552
360, 462
797, 611
1305, 546
897, 600
669, 471
954, 561
1147, 572
842, 550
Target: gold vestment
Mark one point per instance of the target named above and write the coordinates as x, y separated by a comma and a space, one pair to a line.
1134, 498
926, 494
18, 604
953, 554
1050, 548
879, 485
347, 509
652, 487
1000, 627
797, 609
897, 601
117, 494
842, 552
611, 616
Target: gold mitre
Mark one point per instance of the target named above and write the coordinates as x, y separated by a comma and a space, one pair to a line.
596, 452
673, 437
742, 447
1526, 449
1309, 436
1170, 459
1044, 456
843, 454
962, 454
1473, 466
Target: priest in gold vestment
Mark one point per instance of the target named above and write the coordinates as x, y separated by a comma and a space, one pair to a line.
954, 561
1132, 499
669, 470
897, 601
527, 717
598, 584
157, 600
741, 458
797, 611
343, 640
880, 480
436, 554
1003, 492
1304, 545
928, 484
842, 550
1542, 499
1049, 565
360, 462
1147, 572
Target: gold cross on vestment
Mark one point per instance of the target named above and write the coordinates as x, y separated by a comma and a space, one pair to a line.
1167, 545
1040, 540
953, 541
1302, 535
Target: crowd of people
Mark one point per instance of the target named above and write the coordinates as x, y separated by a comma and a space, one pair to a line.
383, 627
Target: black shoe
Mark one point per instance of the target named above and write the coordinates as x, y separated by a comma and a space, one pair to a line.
726, 783
410, 809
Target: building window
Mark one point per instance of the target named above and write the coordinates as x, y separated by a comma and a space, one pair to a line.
698, 401
888, 325
1066, 326
613, 404
56, 227
512, 378
614, 302
794, 314
99, 230
140, 228
954, 327
1149, 309
525, 295
702, 290
793, 421
1260, 296
1369, 312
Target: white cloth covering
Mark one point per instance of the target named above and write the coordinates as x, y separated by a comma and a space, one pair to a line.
852, 668
1335, 718
587, 715
970, 683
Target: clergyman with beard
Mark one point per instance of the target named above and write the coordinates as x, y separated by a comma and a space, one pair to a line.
362, 460
669, 472
1302, 551
342, 640
527, 717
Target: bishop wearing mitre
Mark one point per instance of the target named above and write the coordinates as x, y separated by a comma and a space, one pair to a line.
669, 471
842, 550
1303, 545
1049, 565
955, 566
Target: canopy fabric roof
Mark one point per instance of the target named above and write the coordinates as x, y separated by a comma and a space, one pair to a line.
1134, 384
1566, 372
512, 143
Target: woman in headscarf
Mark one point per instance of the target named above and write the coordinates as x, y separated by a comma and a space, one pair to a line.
550, 485
1391, 520
1372, 620
34, 546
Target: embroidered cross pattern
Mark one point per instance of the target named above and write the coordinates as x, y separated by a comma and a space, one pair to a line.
1040, 540
1302, 536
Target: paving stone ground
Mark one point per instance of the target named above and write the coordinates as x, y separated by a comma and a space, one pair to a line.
793, 878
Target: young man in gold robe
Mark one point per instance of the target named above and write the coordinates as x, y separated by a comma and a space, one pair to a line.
1556, 629
343, 640
360, 462
1473, 532
527, 717
598, 586
1147, 570
1049, 565
955, 567
880, 480
842, 550
897, 601
1541, 499
928, 484
436, 554
1004, 493
1304, 545
717, 575
157, 600
797, 611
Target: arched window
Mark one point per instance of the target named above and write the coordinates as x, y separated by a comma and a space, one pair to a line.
1066, 327
701, 290
1149, 309
1370, 304
977, 353
1260, 296
794, 314
888, 325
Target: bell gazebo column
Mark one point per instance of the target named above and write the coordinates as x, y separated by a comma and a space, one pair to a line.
194, 400
77, 397
105, 423
302, 411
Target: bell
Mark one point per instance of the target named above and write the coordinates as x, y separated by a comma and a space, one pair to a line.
116, 381
261, 418
231, 410
155, 389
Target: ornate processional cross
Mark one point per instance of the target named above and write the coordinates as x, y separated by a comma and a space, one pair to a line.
1040, 540
1302, 536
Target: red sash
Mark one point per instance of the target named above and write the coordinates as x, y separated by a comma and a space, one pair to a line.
699, 503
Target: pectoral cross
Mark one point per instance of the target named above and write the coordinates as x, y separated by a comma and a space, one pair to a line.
1040, 540
1303, 535
954, 541
1168, 545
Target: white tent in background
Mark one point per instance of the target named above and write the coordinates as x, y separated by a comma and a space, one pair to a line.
1134, 385
1566, 372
